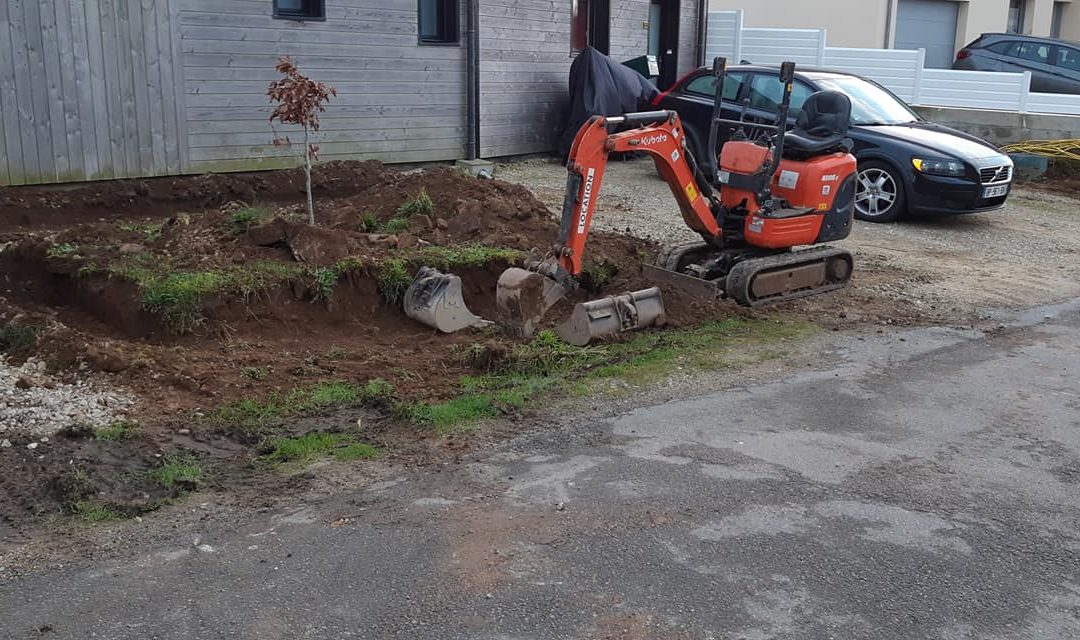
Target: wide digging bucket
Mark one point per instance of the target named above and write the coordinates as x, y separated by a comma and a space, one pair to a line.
523, 297
615, 314
434, 298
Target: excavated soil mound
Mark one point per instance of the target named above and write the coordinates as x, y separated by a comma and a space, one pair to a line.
300, 303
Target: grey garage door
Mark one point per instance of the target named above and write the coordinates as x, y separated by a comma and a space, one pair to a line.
930, 25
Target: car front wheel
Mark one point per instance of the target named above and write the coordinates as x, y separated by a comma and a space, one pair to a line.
879, 193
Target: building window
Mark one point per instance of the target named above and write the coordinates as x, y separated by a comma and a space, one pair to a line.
589, 25
1056, 18
1016, 16
300, 9
439, 22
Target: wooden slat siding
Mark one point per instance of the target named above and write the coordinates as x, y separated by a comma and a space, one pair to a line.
54, 89
169, 73
141, 87
9, 111
175, 9
154, 104
72, 47
131, 130
530, 40
113, 113
39, 94
99, 114
397, 100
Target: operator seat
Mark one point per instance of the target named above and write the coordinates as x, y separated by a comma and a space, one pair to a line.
821, 127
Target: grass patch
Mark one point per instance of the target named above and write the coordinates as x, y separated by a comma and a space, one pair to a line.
177, 296
178, 471
420, 204
244, 219
394, 278
369, 222
598, 276
394, 225
467, 256
150, 230
254, 414
118, 431
547, 367
257, 374
94, 512
17, 336
305, 448
62, 250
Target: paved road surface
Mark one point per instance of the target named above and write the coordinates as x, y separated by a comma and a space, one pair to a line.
926, 487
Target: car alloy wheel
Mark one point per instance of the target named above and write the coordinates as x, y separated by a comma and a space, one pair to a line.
877, 194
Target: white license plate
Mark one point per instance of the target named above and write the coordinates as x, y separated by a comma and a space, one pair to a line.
995, 191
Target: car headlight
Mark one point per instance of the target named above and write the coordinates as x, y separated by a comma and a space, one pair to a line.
939, 167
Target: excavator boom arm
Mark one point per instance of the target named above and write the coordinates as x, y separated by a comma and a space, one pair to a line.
661, 136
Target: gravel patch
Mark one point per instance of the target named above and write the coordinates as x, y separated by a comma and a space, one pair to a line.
34, 404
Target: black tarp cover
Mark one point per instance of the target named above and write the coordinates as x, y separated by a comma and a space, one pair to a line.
601, 86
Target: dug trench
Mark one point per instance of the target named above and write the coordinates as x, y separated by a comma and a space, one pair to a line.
254, 342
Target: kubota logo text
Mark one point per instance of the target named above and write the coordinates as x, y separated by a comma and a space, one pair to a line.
654, 139
585, 200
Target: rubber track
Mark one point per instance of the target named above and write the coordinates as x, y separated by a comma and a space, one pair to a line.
742, 275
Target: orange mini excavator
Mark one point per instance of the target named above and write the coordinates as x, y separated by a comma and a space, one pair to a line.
772, 191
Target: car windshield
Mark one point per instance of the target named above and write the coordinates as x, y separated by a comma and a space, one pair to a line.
870, 104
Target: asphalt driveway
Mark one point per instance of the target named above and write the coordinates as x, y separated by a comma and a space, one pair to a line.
926, 486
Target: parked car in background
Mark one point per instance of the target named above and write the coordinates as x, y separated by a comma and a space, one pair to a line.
906, 164
1054, 64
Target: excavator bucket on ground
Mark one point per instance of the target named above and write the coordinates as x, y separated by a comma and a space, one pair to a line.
434, 298
523, 297
614, 314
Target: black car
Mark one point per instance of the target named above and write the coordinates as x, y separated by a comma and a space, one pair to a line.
906, 164
1054, 64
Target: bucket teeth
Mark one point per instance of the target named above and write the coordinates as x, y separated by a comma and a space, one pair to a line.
434, 298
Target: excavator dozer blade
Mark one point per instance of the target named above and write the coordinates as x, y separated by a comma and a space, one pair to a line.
523, 297
614, 314
434, 298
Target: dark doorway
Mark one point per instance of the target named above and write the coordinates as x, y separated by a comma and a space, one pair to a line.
589, 25
665, 35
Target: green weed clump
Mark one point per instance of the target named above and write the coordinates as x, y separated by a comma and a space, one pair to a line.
62, 250
150, 230
394, 279
305, 448
244, 219
178, 471
254, 414
396, 224
421, 204
118, 431
94, 512
18, 336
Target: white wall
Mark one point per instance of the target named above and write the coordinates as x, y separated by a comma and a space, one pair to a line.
851, 23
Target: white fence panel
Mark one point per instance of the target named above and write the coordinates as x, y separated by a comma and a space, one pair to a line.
1053, 103
723, 35
772, 46
974, 89
896, 69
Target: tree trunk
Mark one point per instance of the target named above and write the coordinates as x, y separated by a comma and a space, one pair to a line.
307, 179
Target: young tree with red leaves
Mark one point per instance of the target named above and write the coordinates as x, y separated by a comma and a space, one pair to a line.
300, 101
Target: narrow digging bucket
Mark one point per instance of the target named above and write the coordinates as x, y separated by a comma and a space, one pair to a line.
435, 299
615, 314
523, 297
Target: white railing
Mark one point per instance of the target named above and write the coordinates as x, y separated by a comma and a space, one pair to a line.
902, 71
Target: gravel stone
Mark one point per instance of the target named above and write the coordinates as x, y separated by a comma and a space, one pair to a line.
43, 406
